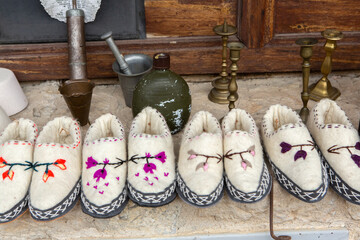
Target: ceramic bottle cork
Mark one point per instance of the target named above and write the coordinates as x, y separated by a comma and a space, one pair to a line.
165, 91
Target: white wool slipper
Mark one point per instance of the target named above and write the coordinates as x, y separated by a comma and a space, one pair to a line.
55, 184
293, 154
16, 161
151, 160
200, 166
339, 143
104, 168
246, 175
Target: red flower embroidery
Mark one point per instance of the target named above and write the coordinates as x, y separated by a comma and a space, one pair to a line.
9, 173
2, 162
60, 163
47, 174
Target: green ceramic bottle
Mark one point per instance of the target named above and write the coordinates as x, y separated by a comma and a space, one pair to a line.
165, 91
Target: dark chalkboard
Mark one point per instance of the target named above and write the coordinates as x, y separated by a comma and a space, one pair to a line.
26, 21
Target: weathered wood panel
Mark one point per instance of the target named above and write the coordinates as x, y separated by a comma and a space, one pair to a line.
187, 17
294, 16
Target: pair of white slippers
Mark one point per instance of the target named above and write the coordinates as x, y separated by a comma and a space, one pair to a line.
145, 173
208, 149
42, 172
303, 166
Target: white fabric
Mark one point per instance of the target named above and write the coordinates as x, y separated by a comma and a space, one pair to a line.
59, 139
4, 120
241, 134
57, 8
16, 146
281, 124
330, 126
149, 133
202, 135
104, 140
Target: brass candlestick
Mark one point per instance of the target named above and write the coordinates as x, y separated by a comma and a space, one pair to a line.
220, 92
306, 53
323, 89
235, 48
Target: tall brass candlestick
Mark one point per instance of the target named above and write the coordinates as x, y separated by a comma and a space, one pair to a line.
323, 89
306, 53
235, 48
220, 92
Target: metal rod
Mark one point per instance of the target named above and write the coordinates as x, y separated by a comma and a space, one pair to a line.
124, 67
272, 217
74, 5
76, 43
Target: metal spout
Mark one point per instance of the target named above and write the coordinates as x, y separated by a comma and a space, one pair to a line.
124, 67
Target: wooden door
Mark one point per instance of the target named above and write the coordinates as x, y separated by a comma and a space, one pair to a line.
269, 29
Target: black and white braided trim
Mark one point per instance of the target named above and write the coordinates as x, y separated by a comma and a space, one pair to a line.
199, 200
252, 197
306, 196
16, 211
60, 209
105, 211
152, 199
340, 186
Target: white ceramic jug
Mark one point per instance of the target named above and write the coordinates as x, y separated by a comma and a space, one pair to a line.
12, 97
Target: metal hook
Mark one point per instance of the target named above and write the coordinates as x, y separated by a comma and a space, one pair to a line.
272, 217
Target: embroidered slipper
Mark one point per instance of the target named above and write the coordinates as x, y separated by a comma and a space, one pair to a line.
200, 167
16, 159
104, 168
151, 161
55, 184
246, 175
293, 154
339, 143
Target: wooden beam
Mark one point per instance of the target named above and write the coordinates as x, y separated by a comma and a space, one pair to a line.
189, 55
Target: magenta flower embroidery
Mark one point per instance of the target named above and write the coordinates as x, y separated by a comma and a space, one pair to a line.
149, 167
300, 154
91, 162
161, 156
147, 155
356, 159
357, 146
101, 173
285, 147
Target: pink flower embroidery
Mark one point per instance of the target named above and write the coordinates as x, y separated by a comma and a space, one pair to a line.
101, 173
149, 167
161, 156
91, 162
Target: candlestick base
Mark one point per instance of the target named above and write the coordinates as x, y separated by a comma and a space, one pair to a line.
323, 89
220, 92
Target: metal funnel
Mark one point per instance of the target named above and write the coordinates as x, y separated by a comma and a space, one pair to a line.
77, 95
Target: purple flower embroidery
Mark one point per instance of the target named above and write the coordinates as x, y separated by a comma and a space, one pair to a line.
91, 162
161, 157
149, 167
356, 159
300, 154
285, 147
101, 173
106, 161
147, 155
357, 146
